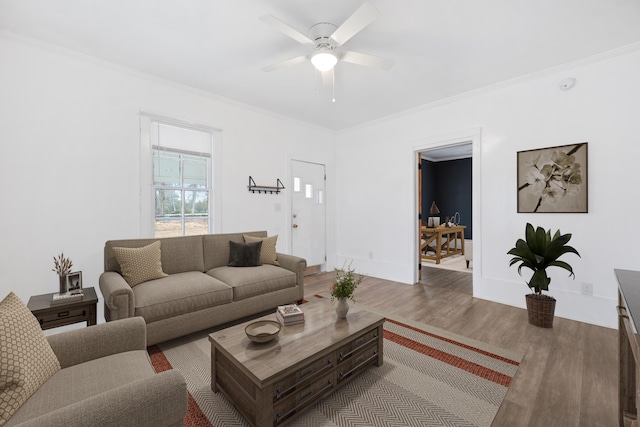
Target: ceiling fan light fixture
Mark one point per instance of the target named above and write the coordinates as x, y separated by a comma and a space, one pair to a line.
324, 61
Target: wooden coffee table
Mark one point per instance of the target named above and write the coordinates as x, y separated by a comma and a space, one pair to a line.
272, 383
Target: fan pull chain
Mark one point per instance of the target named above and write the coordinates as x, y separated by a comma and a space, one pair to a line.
333, 84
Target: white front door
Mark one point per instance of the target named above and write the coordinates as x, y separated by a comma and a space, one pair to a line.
308, 212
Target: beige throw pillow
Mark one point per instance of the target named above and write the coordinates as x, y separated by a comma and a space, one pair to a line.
268, 253
26, 358
140, 264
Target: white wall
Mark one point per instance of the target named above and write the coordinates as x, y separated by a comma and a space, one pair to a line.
69, 161
69, 164
376, 200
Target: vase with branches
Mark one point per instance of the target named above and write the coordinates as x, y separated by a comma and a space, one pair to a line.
62, 266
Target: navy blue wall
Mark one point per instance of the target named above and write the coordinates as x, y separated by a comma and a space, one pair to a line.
449, 183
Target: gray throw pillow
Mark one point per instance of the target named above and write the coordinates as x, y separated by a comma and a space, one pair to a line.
244, 254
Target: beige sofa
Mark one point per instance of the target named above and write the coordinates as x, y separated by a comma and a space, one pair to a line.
106, 379
201, 290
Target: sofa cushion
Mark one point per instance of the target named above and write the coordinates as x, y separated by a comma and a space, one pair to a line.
216, 247
244, 254
251, 281
182, 254
179, 254
139, 265
26, 358
79, 382
178, 294
268, 254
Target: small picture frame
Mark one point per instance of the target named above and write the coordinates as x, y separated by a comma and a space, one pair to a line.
74, 282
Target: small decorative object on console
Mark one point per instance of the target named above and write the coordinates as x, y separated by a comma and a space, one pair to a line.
434, 218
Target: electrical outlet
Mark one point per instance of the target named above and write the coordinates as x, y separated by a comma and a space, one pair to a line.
587, 289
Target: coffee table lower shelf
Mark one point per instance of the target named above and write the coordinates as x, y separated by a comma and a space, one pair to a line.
294, 389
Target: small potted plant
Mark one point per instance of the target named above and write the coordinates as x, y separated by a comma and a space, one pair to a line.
539, 251
343, 288
62, 266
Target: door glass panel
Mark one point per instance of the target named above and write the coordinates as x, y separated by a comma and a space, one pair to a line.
296, 184
308, 191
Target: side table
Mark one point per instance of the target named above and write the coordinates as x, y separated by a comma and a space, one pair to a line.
52, 316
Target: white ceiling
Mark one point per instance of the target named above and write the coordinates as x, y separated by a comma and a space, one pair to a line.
441, 48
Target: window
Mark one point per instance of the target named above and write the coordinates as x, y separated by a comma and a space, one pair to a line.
180, 176
181, 189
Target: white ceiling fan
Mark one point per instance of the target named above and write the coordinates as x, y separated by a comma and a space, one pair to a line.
326, 39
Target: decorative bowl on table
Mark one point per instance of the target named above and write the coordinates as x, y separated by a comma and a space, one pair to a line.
262, 330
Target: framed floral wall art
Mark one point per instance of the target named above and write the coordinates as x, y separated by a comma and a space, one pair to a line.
553, 179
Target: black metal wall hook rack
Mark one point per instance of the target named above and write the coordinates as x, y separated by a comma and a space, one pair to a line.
253, 187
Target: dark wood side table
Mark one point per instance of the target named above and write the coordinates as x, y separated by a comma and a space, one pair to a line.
52, 316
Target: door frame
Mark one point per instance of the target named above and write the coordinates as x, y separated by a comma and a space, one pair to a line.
474, 136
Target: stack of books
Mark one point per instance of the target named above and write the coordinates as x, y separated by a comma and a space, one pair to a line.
289, 314
58, 299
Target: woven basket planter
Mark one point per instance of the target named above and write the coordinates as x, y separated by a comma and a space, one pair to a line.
540, 309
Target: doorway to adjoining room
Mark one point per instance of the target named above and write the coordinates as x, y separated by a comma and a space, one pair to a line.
446, 227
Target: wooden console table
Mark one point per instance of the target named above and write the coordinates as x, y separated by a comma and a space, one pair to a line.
629, 346
441, 249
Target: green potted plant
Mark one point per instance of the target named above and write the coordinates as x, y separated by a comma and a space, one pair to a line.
539, 251
343, 288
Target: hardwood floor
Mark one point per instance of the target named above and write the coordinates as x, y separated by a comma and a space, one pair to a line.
453, 280
568, 376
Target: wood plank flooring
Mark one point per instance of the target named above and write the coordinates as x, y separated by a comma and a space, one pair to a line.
569, 374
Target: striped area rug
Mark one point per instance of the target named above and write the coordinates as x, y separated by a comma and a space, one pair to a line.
429, 378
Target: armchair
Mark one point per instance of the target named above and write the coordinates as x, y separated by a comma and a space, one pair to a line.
106, 379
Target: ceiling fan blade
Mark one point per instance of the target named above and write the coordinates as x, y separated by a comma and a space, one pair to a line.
367, 60
286, 29
356, 22
286, 63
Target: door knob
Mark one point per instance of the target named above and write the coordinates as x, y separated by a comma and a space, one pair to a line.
295, 225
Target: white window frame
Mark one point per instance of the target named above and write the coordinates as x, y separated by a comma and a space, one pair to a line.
147, 188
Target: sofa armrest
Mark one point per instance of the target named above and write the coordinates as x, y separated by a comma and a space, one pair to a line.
160, 400
81, 345
119, 300
297, 265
